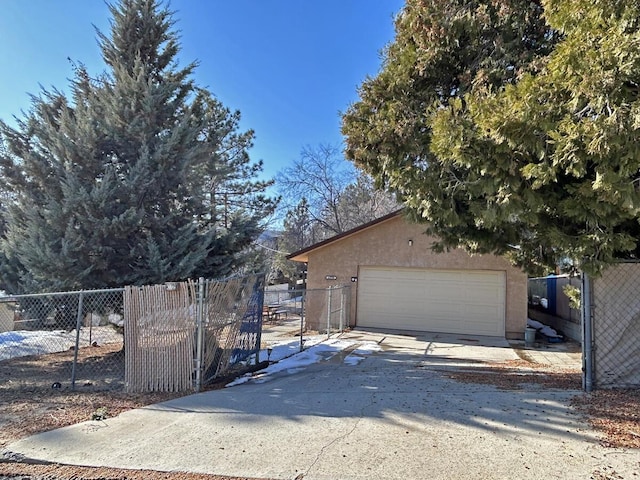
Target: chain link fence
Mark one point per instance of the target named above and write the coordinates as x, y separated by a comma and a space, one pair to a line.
302, 316
61, 338
229, 326
615, 317
169, 337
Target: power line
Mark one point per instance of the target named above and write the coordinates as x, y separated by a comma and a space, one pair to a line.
270, 249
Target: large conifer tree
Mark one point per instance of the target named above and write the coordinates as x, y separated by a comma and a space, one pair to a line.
511, 127
139, 177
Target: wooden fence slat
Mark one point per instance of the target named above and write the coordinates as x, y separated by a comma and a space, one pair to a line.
160, 332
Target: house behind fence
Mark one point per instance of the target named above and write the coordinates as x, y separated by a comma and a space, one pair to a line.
328, 309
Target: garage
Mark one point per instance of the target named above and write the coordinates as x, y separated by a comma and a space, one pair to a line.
449, 301
397, 281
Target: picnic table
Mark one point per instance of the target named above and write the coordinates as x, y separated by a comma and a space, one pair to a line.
274, 311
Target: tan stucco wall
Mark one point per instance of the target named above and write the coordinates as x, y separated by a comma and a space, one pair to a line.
387, 244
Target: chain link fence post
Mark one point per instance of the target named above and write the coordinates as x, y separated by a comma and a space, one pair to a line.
77, 345
302, 299
329, 294
199, 333
259, 309
343, 306
587, 334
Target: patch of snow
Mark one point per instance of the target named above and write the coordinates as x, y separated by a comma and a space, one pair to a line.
240, 380
360, 353
542, 328
367, 348
353, 359
286, 348
340, 344
20, 343
322, 350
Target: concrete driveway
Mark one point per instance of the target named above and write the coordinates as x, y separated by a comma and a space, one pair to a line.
394, 415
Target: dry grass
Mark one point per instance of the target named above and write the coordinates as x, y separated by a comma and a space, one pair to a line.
70, 472
29, 404
519, 374
614, 413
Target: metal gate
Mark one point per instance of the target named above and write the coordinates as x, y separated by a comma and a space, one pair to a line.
179, 336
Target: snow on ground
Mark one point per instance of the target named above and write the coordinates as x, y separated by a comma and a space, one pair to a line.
285, 356
361, 353
20, 343
296, 361
286, 348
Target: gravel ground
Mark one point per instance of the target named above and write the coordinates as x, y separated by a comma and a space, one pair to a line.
30, 407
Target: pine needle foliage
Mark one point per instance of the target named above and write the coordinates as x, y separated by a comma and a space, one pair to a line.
510, 127
137, 176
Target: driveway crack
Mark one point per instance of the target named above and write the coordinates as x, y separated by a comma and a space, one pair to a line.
337, 439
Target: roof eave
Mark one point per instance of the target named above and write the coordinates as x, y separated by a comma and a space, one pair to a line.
303, 254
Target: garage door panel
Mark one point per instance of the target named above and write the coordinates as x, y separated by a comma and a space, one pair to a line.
484, 291
453, 301
436, 291
442, 309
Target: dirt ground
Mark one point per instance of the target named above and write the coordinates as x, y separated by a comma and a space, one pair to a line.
36, 396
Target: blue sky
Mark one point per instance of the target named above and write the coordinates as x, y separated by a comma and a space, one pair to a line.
289, 66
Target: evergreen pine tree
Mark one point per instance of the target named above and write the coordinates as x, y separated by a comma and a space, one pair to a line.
511, 127
139, 177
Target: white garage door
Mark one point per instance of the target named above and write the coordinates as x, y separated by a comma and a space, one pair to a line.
450, 301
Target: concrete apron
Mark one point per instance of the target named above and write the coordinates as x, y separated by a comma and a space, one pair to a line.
395, 415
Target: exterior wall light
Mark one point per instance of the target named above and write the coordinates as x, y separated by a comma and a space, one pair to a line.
411, 243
